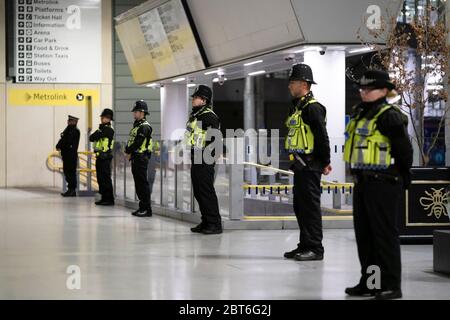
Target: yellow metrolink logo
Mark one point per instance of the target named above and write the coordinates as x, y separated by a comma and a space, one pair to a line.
52, 97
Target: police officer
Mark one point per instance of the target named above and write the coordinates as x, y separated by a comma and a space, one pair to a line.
379, 153
309, 148
139, 150
103, 140
68, 146
201, 119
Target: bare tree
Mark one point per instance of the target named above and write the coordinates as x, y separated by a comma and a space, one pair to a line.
417, 56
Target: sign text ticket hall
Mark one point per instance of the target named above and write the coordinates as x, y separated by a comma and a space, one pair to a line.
58, 41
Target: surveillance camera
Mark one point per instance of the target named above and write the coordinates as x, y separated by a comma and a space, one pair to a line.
322, 52
221, 79
289, 58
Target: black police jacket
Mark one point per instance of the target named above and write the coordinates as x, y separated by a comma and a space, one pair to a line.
69, 141
208, 120
314, 115
394, 125
143, 133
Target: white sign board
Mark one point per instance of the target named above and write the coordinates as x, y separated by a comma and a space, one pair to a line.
58, 41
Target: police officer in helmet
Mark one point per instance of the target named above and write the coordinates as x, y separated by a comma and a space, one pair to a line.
139, 149
200, 121
103, 140
308, 145
68, 146
379, 153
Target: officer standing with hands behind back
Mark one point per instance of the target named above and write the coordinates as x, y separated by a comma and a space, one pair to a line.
139, 150
103, 140
379, 153
201, 119
309, 148
68, 146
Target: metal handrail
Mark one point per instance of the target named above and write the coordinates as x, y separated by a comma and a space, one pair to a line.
323, 182
82, 170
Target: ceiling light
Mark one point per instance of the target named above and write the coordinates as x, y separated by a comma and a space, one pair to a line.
308, 49
257, 73
153, 85
191, 85
361, 50
179, 80
211, 72
252, 63
215, 80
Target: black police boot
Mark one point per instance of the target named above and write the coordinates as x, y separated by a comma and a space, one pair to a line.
198, 229
69, 194
291, 254
143, 213
105, 203
308, 256
212, 230
359, 291
389, 295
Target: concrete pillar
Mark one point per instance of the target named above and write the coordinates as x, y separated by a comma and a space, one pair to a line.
259, 103
174, 111
249, 104
329, 73
251, 141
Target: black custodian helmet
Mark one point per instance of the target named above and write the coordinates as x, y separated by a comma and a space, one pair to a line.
108, 113
204, 92
302, 72
378, 79
140, 105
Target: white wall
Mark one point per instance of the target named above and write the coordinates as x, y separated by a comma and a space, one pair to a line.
174, 111
2, 97
32, 132
329, 73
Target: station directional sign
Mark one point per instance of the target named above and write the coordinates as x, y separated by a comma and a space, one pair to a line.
52, 97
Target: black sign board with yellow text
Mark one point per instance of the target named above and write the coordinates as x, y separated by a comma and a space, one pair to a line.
425, 206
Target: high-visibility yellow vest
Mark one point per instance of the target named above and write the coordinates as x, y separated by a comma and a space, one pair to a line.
195, 136
147, 144
365, 146
300, 138
103, 145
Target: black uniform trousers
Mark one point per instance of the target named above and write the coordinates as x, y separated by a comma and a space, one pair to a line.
307, 210
202, 176
376, 206
70, 164
105, 185
139, 168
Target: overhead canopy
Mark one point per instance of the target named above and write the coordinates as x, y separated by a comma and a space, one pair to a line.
234, 30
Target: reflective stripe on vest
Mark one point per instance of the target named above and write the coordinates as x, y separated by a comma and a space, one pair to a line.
195, 136
300, 138
147, 144
365, 146
103, 146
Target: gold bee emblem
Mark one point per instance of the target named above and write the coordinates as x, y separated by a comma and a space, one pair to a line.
435, 201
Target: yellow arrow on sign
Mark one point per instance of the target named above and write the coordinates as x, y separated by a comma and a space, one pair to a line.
51, 97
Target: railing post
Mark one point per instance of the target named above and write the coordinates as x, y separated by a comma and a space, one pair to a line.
89, 167
236, 192
125, 160
337, 203
236, 179
164, 186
